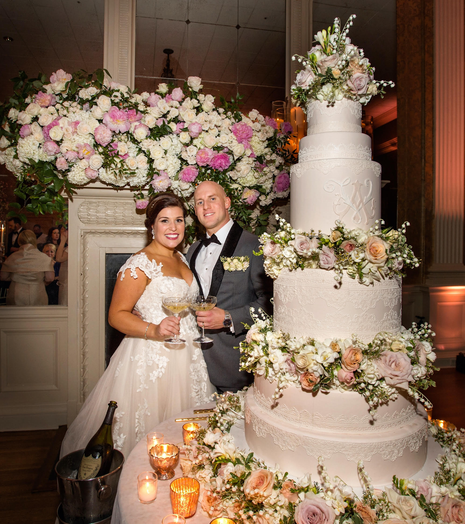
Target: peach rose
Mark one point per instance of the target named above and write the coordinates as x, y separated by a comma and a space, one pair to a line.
211, 503
366, 513
335, 235
452, 510
345, 377
308, 380
259, 485
314, 510
351, 359
396, 368
271, 249
287, 493
375, 250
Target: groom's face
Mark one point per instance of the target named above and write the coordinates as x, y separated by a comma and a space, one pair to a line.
211, 206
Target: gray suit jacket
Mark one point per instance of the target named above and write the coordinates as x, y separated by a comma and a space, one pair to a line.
236, 292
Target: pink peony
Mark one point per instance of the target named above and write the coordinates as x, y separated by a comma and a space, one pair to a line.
25, 131
103, 135
179, 127
133, 115
61, 164
45, 100
161, 183
60, 76
91, 174
327, 257
204, 156
345, 377
85, 150
242, 132
281, 183
51, 147
71, 156
177, 94
271, 122
220, 161
396, 368
314, 510
286, 128
250, 196
348, 245
113, 149
153, 99
117, 120
141, 203
194, 129
188, 174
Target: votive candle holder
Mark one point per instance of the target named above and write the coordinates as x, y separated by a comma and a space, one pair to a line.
174, 519
444, 424
184, 495
147, 487
163, 459
154, 438
223, 520
189, 432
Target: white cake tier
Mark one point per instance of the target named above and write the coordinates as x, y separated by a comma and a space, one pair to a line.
323, 191
327, 146
345, 115
308, 303
337, 427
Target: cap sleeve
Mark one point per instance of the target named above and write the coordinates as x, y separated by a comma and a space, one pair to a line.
140, 261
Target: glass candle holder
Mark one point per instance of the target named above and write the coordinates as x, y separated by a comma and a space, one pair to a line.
184, 495
174, 519
223, 520
154, 438
444, 424
189, 432
147, 487
163, 459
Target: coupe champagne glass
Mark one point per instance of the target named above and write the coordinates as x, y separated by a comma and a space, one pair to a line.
201, 303
176, 304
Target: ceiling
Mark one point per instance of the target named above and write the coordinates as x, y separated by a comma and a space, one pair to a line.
231, 44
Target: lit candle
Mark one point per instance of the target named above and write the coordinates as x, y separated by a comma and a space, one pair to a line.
222, 520
3, 233
163, 459
189, 432
147, 487
443, 424
154, 438
184, 495
174, 519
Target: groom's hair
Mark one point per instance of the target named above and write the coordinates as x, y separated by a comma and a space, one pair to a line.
158, 203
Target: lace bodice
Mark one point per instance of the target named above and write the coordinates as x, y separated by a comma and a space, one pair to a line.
150, 304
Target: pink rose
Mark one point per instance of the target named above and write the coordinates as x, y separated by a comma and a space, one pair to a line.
396, 368
421, 352
424, 488
304, 78
327, 257
153, 99
103, 135
375, 251
204, 156
314, 510
281, 183
302, 245
188, 174
345, 377
348, 245
327, 61
259, 486
25, 131
51, 148
177, 94
91, 174
358, 83
243, 132
452, 510
221, 161
141, 203
271, 249
161, 183
308, 380
287, 493
250, 196
117, 120
351, 359
194, 129
45, 100
61, 164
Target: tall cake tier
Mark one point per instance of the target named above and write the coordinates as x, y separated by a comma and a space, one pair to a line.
308, 303
335, 178
337, 427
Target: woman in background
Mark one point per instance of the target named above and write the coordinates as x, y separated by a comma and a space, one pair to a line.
62, 258
52, 287
28, 270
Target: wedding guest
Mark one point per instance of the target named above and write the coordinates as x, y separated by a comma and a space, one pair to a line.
28, 270
62, 257
52, 287
53, 236
236, 291
41, 237
15, 227
150, 379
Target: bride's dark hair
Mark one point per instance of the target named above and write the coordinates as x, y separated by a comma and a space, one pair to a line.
159, 202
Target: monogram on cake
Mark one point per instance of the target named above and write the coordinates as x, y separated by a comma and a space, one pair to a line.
336, 374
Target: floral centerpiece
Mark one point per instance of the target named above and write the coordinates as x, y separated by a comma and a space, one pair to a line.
238, 485
56, 136
335, 69
376, 370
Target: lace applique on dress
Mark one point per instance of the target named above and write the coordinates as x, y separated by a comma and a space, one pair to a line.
141, 261
118, 438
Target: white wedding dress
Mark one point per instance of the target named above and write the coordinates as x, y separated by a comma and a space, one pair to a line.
151, 381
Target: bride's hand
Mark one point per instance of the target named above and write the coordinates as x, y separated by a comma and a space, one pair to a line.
168, 327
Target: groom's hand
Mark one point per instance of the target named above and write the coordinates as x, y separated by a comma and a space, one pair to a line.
212, 319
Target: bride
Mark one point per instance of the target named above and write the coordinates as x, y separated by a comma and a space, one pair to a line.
149, 379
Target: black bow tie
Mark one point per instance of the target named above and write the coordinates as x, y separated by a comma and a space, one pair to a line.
213, 239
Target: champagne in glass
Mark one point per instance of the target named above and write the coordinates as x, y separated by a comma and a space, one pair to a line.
176, 305
201, 303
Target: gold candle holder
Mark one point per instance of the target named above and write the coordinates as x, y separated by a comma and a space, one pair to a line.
154, 438
163, 459
223, 520
444, 424
189, 432
174, 519
184, 495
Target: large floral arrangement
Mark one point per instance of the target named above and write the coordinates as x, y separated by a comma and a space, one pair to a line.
365, 255
376, 370
335, 69
61, 135
238, 485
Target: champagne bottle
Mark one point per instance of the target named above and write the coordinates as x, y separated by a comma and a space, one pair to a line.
98, 454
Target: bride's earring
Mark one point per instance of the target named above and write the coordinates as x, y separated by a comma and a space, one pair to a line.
153, 234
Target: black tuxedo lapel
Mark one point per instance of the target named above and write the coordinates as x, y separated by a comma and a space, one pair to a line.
227, 251
192, 265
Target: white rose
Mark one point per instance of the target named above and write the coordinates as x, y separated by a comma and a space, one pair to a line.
149, 120
165, 143
104, 103
45, 119
123, 148
33, 109
162, 88
188, 116
156, 152
140, 133
174, 112
207, 106
195, 83
163, 106
56, 133
24, 118
211, 437
209, 140
83, 128
161, 164
13, 114
131, 162
238, 150
184, 137
97, 112
141, 161
4, 142
95, 162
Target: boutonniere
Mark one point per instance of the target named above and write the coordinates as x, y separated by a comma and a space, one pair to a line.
235, 263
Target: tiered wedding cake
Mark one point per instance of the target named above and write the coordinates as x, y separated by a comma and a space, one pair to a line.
337, 305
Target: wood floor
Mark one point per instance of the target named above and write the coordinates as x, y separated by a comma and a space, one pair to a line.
22, 453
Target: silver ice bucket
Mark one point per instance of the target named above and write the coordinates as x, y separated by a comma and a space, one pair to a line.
86, 501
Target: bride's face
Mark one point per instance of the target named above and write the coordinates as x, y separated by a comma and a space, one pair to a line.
169, 227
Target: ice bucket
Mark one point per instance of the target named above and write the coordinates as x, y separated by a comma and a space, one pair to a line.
86, 501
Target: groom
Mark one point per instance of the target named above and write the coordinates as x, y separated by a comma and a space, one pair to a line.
236, 291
